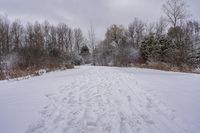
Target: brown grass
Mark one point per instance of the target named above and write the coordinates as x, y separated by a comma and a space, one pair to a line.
33, 71
164, 67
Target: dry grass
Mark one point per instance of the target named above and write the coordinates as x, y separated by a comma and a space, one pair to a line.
164, 67
2, 76
33, 71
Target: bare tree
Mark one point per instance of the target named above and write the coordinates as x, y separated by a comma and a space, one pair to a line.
160, 27
61, 35
78, 40
38, 35
116, 35
70, 39
16, 34
53, 38
150, 29
176, 11
136, 32
29, 35
4, 35
46, 32
92, 42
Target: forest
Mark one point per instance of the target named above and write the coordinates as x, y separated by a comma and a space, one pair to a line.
171, 43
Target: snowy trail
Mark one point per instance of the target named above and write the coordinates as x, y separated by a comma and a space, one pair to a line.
105, 100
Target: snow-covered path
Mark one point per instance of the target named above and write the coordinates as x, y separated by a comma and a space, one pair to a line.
99, 100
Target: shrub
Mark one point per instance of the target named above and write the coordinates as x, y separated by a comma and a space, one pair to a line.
159, 66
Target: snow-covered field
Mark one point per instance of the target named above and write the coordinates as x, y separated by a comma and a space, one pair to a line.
102, 100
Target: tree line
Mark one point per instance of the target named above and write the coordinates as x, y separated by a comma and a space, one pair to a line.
173, 40
39, 45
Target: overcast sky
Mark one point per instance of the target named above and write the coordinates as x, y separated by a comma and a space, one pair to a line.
81, 13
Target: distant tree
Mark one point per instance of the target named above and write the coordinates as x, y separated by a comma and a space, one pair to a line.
164, 50
69, 39
176, 11
160, 28
157, 48
78, 40
29, 35
38, 36
136, 32
92, 43
4, 35
85, 54
116, 48
61, 37
53, 38
46, 32
147, 47
116, 35
104, 54
16, 35
150, 29
192, 40
181, 45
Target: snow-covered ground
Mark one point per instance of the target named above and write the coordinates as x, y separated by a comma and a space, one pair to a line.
102, 100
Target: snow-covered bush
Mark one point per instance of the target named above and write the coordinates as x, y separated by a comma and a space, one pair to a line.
76, 59
41, 72
197, 70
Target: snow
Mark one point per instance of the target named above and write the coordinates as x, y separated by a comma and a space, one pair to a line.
101, 99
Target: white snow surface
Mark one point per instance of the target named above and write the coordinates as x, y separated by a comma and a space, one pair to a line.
91, 99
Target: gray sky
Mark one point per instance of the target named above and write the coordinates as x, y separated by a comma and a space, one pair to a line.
81, 13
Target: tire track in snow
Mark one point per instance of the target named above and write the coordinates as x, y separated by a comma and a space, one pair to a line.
105, 100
